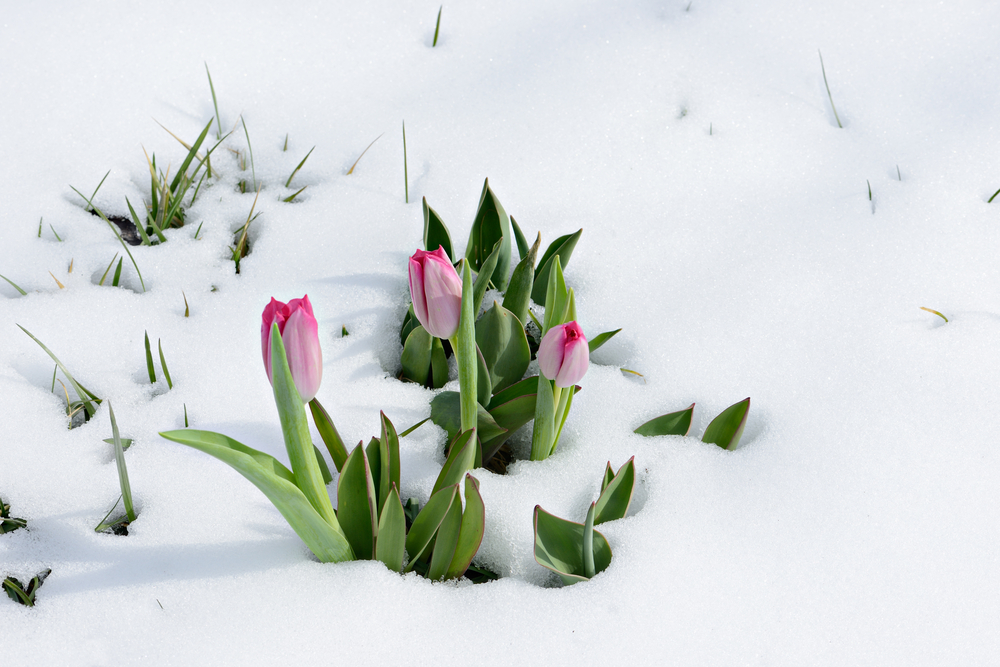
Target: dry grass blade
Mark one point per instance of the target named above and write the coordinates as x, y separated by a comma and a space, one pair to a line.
351, 170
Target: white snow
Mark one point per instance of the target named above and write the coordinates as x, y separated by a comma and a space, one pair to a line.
727, 229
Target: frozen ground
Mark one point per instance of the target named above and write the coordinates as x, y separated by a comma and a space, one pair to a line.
727, 229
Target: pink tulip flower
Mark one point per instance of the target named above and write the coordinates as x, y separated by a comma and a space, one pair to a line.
436, 291
564, 355
300, 334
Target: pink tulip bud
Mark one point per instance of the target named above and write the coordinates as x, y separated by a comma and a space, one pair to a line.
300, 334
564, 355
436, 291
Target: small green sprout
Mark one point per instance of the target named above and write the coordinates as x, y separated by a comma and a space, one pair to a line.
437, 27
931, 310
828, 93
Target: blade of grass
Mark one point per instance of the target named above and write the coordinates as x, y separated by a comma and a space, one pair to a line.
238, 251
215, 103
40, 228
253, 171
117, 234
86, 397
61, 286
70, 269
931, 310
187, 311
149, 362
118, 274
95, 190
285, 147
288, 183
406, 178
830, 95
163, 365
54, 379
14, 285
292, 196
990, 200
101, 283
437, 27
185, 416
351, 170
122, 471
56, 234
140, 226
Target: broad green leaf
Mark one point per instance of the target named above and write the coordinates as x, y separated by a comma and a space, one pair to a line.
436, 232
445, 413
389, 471
295, 429
501, 340
616, 496
327, 541
559, 547
483, 278
356, 509
492, 224
87, 397
522, 244
562, 247
557, 297
446, 540
516, 410
523, 388
601, 339
324, 469
374, 454
483, 381
425, 526
461, 458
473, 528
674, 423
518, 295
391, 543
726, 429
416, 357
410, 322
328, 432
543, 433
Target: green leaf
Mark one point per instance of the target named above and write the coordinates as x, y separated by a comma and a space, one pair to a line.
187, 161
425, 526
14, 285
445, 413
416, 357
295, 429
559, 547
522, 243
601, 339
616, 496
461, 456
163, 365
726, 429
436, 234
562, 247
323, 468
511, 409
439, 365
446, 540
327, 541
501, 340
149, 361
543, 433
288, 183
328, 432
122, 470
87, 397
491, 225
410, 322
557, 297
464, 345
389, 452
517, 299
588, 544
356, 509
391, 542
482, 281
374, 455
674, 423
473, 529
609, 475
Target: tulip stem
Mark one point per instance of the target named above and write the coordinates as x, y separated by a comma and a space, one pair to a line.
464, 344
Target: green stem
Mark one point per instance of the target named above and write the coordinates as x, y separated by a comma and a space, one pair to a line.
563, 399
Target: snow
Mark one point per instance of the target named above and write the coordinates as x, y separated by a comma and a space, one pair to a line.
727, 230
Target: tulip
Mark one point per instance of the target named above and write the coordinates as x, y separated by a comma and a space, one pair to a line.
436, 291
563, 354
300, 335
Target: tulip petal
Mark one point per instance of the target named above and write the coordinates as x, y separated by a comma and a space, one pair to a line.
551, 351
575, 363
305, 358
417, 288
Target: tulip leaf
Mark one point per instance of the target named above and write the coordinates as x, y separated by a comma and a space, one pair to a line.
483, 381
436, 232
516, 407
439, 365
588, 544
389, 453
323, 467
522, 243
327, 541
391, 543
601, 339
542, 435
445, 413
410, 322
559, 547
374, 456
417, 353
426, 525
469, 360
295, 429
446, 540
461, 456
609, 474
328, 432
726, 429
557, 297
674, 423
562, 247
516, 390
492, 224
484, 277
518, 295
356, 504
616, 496
501, 340
473, 528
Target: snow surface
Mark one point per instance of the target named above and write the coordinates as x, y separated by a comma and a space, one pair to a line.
728, 230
